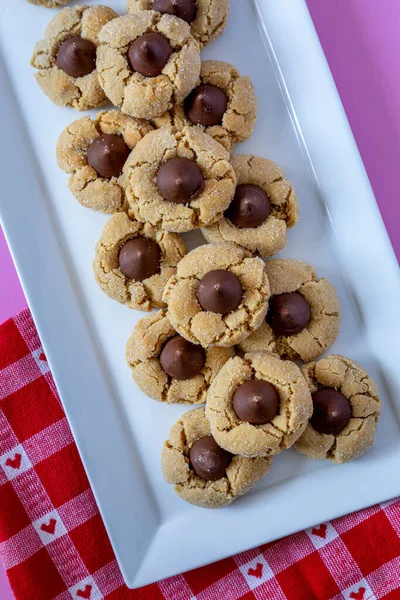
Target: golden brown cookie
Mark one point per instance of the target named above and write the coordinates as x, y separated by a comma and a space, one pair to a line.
138, 276
208, 22
258, 405
264, 207
346, 410
223, 103
70, 42
206, 192
91, 189
316, 317
49, 3
218, 296
138, 94
154, 344
233, 475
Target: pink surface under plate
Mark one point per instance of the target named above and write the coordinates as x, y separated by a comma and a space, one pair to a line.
361, 42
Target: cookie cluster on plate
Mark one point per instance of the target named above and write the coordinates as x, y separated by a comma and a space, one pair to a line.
238, 336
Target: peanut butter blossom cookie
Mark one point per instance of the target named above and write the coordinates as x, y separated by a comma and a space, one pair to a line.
207, 18
146, 61
94, 152
66, 57
179, 180
133, 261
258, 405
346, 410
303, 319
218, 296
223, 103
49, 3
167, 367
262, 210
202, 472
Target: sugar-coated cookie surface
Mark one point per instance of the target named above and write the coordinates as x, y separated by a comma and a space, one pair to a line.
207, 326
264, 207
223, 103
143, 36
248, 436
145, 293
105, 194
215, 185
66, 57
144, 352
293, 282
207, 18
347, 377
240, 474
49, 3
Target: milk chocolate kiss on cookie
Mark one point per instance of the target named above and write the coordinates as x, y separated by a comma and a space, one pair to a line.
184, 9
181, 359
250, 207
107, 155
180, 180
256, 402
288, 314
76, 56
220, 292
332, 411
206, 105
149, 54
139, 258
208, 460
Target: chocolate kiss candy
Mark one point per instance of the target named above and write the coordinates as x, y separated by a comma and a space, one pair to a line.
250, 207
256, 402
181, 359
140, 258
107, 155
332, 411
209, 461
220, 292
206, 105
76, 56
288, 314
149, 54
184, 9
180, 180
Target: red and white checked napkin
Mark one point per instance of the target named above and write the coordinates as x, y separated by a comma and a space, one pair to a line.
54, 545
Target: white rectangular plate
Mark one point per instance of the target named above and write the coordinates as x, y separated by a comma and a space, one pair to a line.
119, 432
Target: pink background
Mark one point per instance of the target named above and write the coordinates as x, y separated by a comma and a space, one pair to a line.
361, 42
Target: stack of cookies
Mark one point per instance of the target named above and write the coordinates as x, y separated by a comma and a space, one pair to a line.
236, 335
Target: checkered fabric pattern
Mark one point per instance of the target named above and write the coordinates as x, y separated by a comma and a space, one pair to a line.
54, 545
